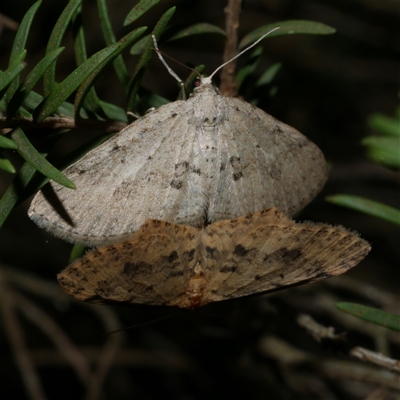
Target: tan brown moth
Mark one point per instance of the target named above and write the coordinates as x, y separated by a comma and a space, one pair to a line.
179, 265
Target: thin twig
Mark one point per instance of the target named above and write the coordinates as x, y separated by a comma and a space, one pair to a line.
379, 394
386, 300
108, 352
319, 332
16, 337
228, 84
64, 123
336, 369
106, 355
324, 303
128, 356
35, 285
375, 358
8, 23
71, 353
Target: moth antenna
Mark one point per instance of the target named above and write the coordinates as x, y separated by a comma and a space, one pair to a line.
133, 114
243, 51
181, 64
169, 69
142, 323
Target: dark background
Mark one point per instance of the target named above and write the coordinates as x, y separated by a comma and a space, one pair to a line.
327, 88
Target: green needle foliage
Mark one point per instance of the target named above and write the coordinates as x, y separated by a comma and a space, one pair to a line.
383, 149
377, 317
25, 109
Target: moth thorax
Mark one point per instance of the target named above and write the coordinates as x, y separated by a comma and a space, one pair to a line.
195, 288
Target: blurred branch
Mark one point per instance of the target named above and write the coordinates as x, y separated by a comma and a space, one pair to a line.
62, 122
128, 356
228, 83
108, 353
16, 338
375, 358
7, 23
379, 394
323, 303
35, 285
71, 353
319, 332
288, 355
386, 300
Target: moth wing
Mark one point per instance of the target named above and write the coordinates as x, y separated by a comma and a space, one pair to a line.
265, 163
138, 174
151, 267
273, 256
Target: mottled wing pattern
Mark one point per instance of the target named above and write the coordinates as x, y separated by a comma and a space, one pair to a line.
143, 169
189, 162
265, 163
256, 258
152, 267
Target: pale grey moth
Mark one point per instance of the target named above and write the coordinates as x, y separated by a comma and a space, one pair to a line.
192, 162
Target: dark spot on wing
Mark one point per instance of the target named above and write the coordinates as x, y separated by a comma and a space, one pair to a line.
286, 255
121, 192
240, 250
189, 255
275, 172
210, 250
322, 275
175, 274
303, 143
184, 165
195, 170
131, 269
105, 288
234, 160
315, 267
277, 286
176, 184
226, 269
172, 257
112, 250
237, 175
126, 245
237, 167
